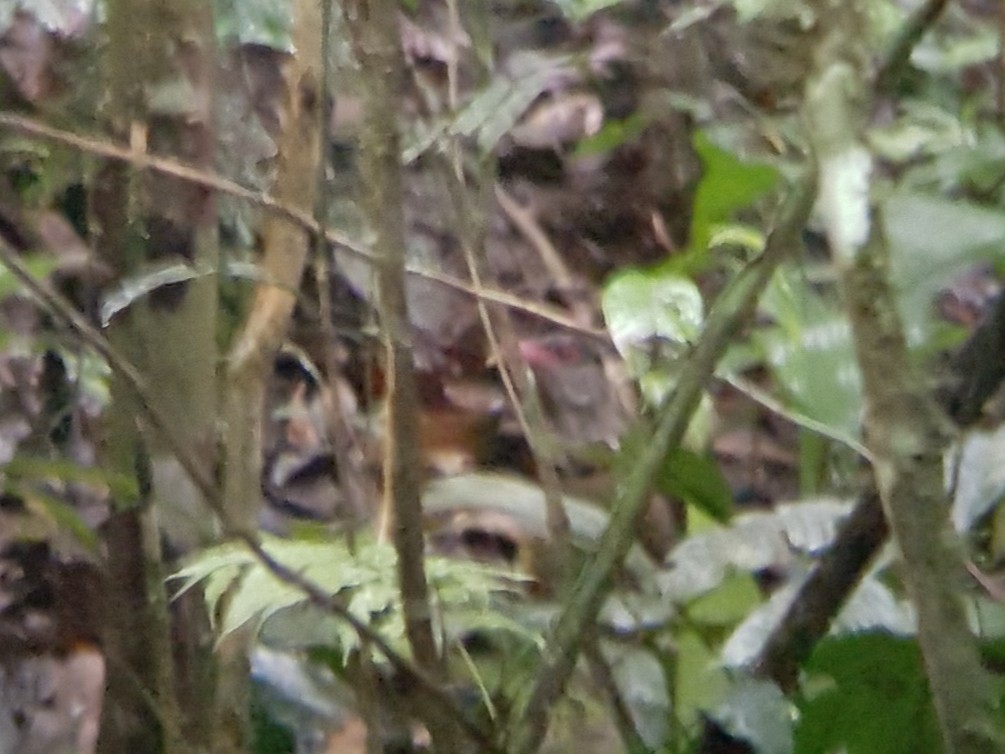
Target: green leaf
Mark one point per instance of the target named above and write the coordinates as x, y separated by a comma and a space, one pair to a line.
698, 480
642, 682
241, 590
142, 284
134, 287
877, 702
728, 185
492, 112
64, 516
871, 607
874, 607
727, 604
701, 682
643, 305
494, 121
612, 135
811, 354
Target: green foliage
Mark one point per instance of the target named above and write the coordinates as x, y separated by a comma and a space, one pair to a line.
644, 305
40, 172
240, 590
653, 316
728, 185
979, 475
866, 694
268, 735
611, 135
696, 479
641, 680
809, 350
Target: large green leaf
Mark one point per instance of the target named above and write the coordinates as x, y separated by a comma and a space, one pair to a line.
697, 479
152, 277
26, 468
810, 351
728, 185
871, 607
643, 686
640, 305
877, 701
653, 316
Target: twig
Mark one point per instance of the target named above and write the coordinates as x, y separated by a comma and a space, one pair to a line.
514, 373
836, 574
496, 296
900, 54
557, 269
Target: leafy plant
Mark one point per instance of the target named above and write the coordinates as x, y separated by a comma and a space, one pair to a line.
240, 590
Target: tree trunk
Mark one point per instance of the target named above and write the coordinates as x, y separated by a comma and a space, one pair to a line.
159, 99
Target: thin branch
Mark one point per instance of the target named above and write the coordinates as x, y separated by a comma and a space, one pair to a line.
513, 371
836, 574
526, 403
558, 270
907, 39
64, 311
302, 218
376, 43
